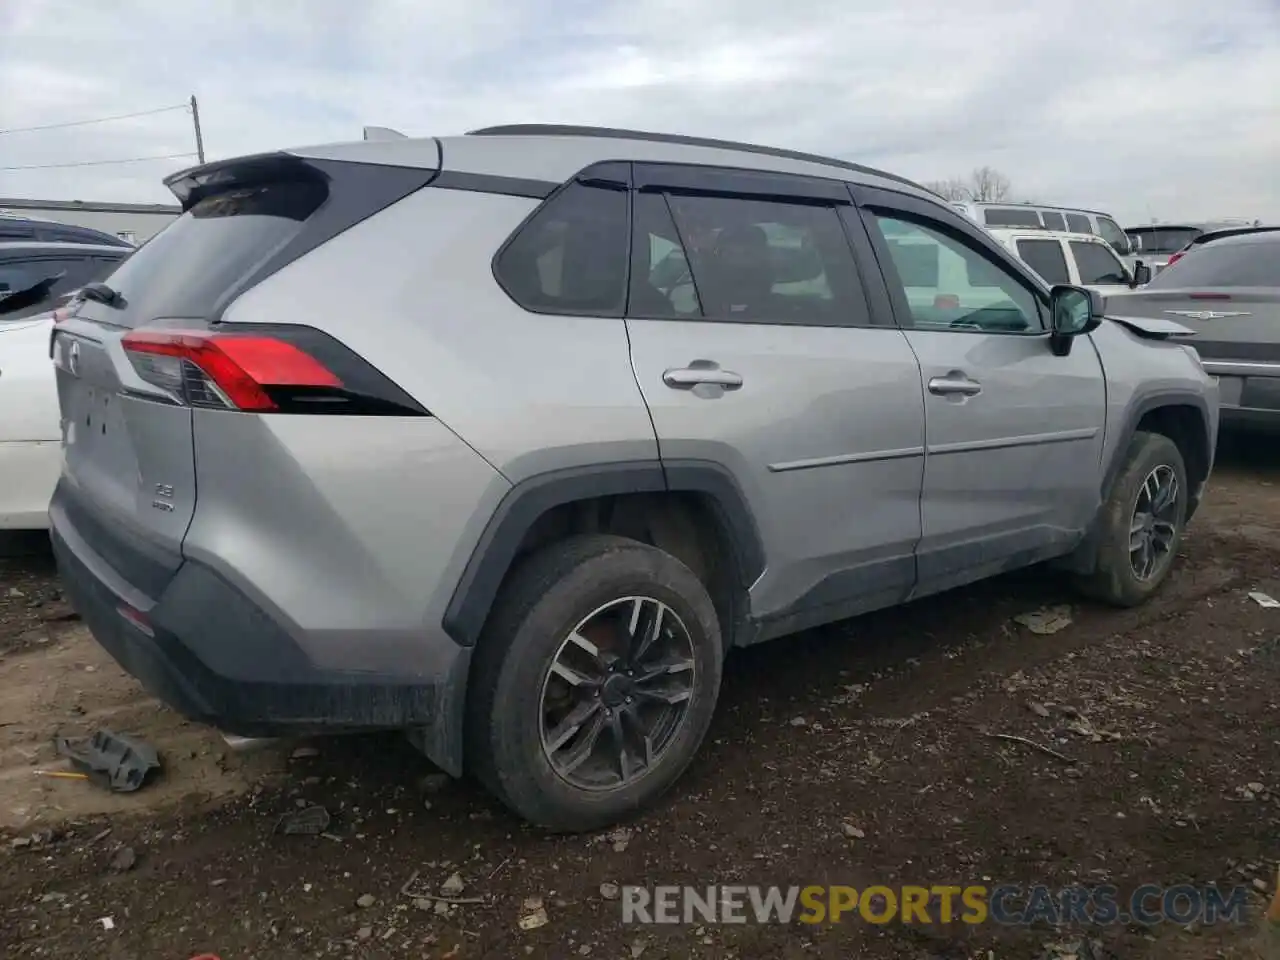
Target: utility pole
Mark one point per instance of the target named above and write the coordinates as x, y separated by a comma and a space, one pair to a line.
195, 116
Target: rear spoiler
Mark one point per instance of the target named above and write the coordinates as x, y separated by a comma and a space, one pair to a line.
192, 185
383, 133
1153, 328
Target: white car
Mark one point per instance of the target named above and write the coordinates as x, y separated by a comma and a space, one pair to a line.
35, 278
1080, 259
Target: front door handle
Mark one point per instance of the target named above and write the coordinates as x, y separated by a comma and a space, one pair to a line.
701, 372
954, 384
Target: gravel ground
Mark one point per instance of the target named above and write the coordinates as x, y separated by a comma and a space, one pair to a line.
882, 750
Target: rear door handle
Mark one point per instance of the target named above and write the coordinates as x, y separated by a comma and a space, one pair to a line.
954, 384
701, 372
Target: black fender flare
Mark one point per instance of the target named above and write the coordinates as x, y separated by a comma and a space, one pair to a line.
529, 499
1144, 405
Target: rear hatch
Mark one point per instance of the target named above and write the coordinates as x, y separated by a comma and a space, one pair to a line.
124, 349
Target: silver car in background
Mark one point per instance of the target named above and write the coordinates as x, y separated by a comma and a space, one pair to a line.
1158, 243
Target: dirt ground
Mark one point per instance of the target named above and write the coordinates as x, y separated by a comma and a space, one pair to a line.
874, 751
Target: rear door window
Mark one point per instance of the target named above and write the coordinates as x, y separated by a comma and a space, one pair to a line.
1079, 223
571, 256
1011, 217
71, 273
1046, 258
766, 261
1110, 231
1053, 221
1096, 264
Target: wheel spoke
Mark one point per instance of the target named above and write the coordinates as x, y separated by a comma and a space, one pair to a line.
626, 763
559, 735
645, 630
662, 668
582, 643
572, 677
582, 750
1163, 532
667, 695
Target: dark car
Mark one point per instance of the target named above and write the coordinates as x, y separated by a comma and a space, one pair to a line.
1228, 292
1209, 236
36, 277
26, 228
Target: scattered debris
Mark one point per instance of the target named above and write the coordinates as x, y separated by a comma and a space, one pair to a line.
637, 948
620, 838
1039, 709
1046, 620
533, 914
1259, 884
610, 891
365, 901
113, 760
1263, 600
61, 774
852, 832
798, 722
364, 933
1031, 743
302, 753
453, 886
311, 820
124, 860
102, 835
107, 923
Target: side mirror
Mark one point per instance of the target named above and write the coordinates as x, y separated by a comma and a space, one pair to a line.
1141, 274
1073, 311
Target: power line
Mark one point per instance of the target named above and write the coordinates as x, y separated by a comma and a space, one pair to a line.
81, 123
99, 163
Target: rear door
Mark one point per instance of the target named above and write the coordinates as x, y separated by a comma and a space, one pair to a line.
128, 478
1013, 432
758, 346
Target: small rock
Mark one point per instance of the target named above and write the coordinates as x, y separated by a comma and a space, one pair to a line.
422, 903
52, 897
365, 901
610, 891
852, 832
442, 908
302, 753
217, 883
426, 804
15, 592
434, 782
125, 859
1255, 787
364, 933
637, 949
798, 721
1259, 884
533, 914
1039, 709
584, 950
620, 837
19, 842
453, 886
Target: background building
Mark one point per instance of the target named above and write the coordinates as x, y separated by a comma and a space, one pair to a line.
134, 222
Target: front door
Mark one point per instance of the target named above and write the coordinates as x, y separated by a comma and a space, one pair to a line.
756, 347
1013, 433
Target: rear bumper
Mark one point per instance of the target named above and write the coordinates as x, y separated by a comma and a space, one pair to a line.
213, 656
1249, 393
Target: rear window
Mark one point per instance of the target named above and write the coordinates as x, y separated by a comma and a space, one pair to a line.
18, 299
1046, 258
1162, 239
1223, 264
185, 270
1011, 217
1053, 221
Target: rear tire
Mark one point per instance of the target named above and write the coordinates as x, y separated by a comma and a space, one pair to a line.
1122, 576
562, 603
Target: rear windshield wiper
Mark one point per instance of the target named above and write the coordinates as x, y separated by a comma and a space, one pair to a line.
100, 293
30, 295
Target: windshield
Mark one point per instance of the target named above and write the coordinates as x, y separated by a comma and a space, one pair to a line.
1162, 239
1224, 264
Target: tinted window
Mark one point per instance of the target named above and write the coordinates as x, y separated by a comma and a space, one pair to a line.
16, 276
1012, 217
1078, 223
1162, 239
761, 260
1224, 264
661, 283
70, 273
969, 289
571, 257
1053, 221
1046, 258
189, 265
1110, 231
1097, 264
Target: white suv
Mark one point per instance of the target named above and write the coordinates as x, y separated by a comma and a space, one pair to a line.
1059, 219
1076, 258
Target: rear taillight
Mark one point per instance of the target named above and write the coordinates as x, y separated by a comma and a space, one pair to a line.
1174, 259
264, 370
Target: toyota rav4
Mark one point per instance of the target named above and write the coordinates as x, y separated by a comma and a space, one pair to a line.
506, 439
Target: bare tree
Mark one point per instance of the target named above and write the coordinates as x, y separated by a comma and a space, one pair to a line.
988, 183
983, 184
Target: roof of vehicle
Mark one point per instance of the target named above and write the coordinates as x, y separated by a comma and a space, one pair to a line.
60, 246
1223, 233
1188, 225
1031, 233
555, 152
1033, 206
1247, 239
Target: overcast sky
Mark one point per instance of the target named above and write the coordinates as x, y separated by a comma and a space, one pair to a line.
1158, 108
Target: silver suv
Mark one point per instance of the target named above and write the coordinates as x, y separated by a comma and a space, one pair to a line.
505, 439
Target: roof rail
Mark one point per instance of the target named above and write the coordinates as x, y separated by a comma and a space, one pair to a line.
568, 130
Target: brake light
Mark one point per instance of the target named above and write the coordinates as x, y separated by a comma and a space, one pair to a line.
1209, 296
1175, 258
263, 369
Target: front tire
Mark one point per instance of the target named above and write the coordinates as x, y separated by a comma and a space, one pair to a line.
593, 683
1142, 523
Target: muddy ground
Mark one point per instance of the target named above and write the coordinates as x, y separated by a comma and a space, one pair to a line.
874, 751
